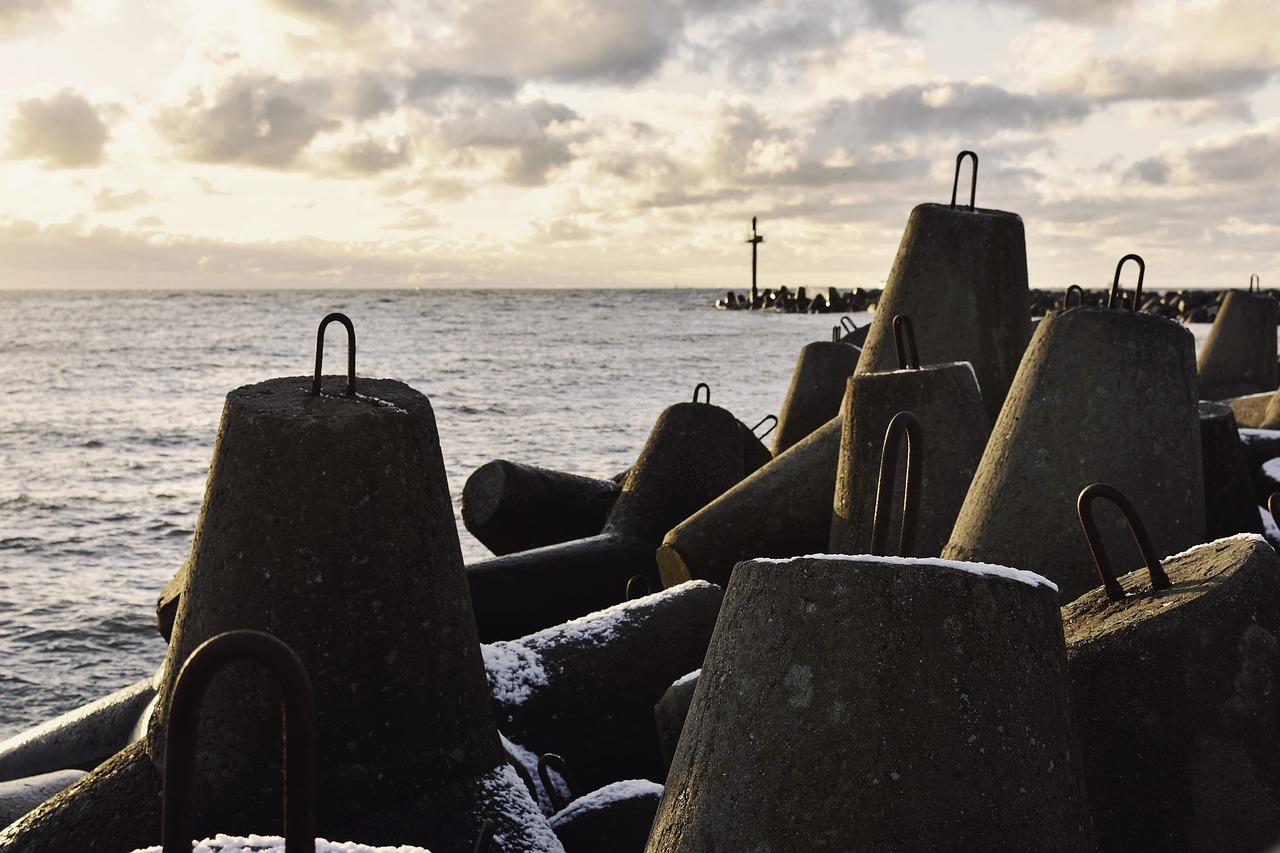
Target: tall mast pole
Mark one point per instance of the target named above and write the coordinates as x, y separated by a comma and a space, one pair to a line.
755, 239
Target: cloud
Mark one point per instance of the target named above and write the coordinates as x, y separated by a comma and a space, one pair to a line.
253, 121
65, 131
339, 14
108, 200
18, 17
1152, 170
368, 156
1248, 157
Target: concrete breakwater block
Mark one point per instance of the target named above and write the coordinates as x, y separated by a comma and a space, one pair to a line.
817, 386
961, 276
1174, 692
326, 523
585, 690
695, 452
1251, 409
511, 507
1239, 356
672, 710
613, 819
20, 796
781, 510
888, 704
1103, 395
80, 739
1230, 500
945, 400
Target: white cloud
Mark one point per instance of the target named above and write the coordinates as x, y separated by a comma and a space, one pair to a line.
108, 200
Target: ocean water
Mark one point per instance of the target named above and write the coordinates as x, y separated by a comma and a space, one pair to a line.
110, 402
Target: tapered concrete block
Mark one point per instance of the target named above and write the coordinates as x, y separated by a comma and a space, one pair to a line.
953, 419
695, 452
1230, 503
616, 818
20, 796
1174, 695
511, 507
782, 510
822, 370
961, 276
1239, 356
863, 703
1102, 396
1251, 409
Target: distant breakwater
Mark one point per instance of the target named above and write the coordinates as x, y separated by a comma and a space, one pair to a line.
1186, 306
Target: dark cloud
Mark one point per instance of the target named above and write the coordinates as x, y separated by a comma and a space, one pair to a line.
369, 156
1153, 170
65, 131
1242, 158
431, 84
253, 121
108, 200
1083, 11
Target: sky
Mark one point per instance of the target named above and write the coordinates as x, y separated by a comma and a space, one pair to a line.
598, 143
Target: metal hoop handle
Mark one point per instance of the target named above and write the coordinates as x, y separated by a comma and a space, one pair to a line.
904, 336
1255, 279
550, 762
1078, 291
351, 353
1084, 508
773, 418
1273, 506
638, 586
835, 334
483, 837
699, 388
847, 322
1114, 300
973, 183
903, 423
299, 736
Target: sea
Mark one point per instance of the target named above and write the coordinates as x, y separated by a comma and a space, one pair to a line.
111, 403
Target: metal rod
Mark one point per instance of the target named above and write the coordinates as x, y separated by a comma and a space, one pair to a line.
699, 388
1078, 291
351, 353
973, 184
550, 762
483, 837
638, 586
1114, 301
189, 688
904, 336
1084, 508
773, 418
903, 423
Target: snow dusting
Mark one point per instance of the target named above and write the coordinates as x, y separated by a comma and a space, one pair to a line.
275, 844
514, 671
986, 569
505, 794
617, 791
687, 677
1238, 537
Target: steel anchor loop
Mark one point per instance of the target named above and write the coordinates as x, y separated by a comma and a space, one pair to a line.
351, 353
847, 322
550, 762
299, 736
973, 183
835, 334
903, 423
1273, 506
1084, 508
638, 586
1115, 301
763, 435
699, 388
1255, 283
483, 837
1078, 292
904, 336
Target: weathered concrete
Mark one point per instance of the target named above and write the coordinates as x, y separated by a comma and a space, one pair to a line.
817, 385
946, 401
860, 703
511, 507
20, 796
961, 276
672, 710
1174, 693
1230, 502
1239, 356
80, 739
585, 690
1102, 396
782, 510
327, 523
695, 452
613, 819
1251, 409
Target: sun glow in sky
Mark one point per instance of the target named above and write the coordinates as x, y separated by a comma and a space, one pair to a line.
588, 143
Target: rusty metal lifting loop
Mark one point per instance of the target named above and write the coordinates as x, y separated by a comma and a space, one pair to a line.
550, 762
1114, 301
483, 837
351, 353
1273, 506
973, 183
298, 703
903, 423
638, 586
699, 388
1078, 291
773, 418
835, 334
1255, 280
848, 323
904, 336
1084, 508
